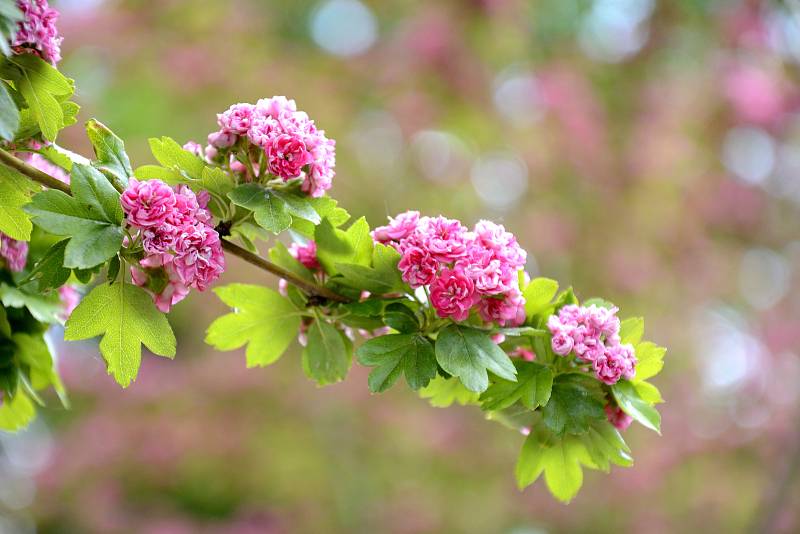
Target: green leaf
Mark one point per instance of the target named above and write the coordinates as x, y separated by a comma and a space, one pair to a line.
171, 155
44, 308
396, 353
16, 413
383, 277
604, 445
262, 319
126, 317
14, 194
326, 208
442, 392
650, 361
157, 172
9, 114
469, 353
648, 392
532, 388
49, 271
562, 469
538, 294
326, 358
43, 88
269, 210
5, 326
353, 246
33, 352
401, 318
631, 330
632, 404
573, 405
558, 458
299, 206
599, 302
110, 153
92, 217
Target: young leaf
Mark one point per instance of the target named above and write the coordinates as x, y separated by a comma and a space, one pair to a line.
650, 361
558, 458
9, 114
171, 155
14, 194
396, 353
262, 319
112, 159
16, 413
648, 392
532, 388
126, 317
573, 405
299, 206
632, 404
33, 352
538, 294
631, 330
353, 246
605, 446
326, 358
92, 217
43, 87
269, 210
442, 392
469, 353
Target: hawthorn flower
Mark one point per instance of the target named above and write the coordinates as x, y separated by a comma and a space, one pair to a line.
453, 294
617, 417
37, 32
306, 254
275, 136
592, 334
182, 250
70, 298
13, 252
468, 269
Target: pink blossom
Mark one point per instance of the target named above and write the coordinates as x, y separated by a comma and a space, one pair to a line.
221, 139
562, 343
613, 364
15, 253
163, 284
199, 260
453, 294
446, 239
526, 354
287, 156
617, 417
148, 203
306, 254
194, 148
70, 298
398, 228
237, 119
418, 267
37, 32
495, 237
504, 311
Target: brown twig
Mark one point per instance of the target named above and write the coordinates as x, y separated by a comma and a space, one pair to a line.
308, 286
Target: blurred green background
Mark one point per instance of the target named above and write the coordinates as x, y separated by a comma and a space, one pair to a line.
644, 150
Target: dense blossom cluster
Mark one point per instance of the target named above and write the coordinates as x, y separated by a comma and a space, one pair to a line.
182, 250
273, 138
37, 31
592, 334
463, 270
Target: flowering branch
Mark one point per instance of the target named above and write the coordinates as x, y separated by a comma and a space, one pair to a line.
309, 287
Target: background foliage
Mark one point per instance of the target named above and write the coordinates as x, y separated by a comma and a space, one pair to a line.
646, 150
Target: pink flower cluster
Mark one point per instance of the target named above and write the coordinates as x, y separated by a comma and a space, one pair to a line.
182, 250
13, 252
37, 31
275, 138
592, 334
464, 270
